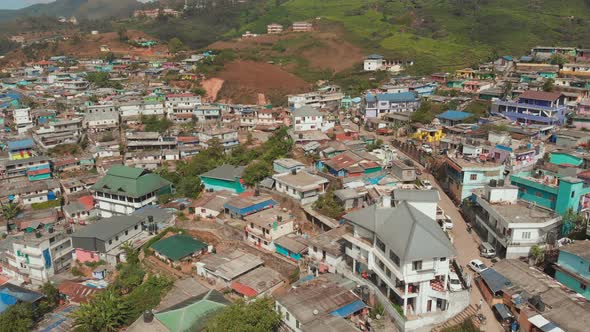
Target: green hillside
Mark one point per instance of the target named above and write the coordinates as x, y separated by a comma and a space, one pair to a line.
87, 9
438, 34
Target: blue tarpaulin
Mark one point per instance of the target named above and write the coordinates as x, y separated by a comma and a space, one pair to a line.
349, 309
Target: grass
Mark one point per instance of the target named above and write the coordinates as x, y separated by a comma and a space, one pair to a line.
439, 35
46, 205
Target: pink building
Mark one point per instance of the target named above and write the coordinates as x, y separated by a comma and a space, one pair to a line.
581, 120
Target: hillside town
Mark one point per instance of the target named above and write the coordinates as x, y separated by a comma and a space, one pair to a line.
429, 203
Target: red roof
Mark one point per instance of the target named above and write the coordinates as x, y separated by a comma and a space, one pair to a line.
173, 95
87, 201
186, 139
243, 289
39, 171
76, 292
3, 280
541, 95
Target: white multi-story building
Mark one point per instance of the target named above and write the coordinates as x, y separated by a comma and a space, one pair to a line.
228, 137
22, 120
404, 252
323, 97
510, 225
268, 225
302, 186
207, 113
307, 118
36, 257
180, 107
126, 189
60, 132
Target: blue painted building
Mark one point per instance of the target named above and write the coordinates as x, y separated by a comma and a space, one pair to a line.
534, 107
452, 117
241, 206
381, 104
573, 267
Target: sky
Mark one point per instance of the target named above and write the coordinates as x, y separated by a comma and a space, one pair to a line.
17, 4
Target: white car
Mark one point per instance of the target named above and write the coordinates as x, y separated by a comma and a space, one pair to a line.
426, 148
477, 266
454, 282
446, 223
426, 184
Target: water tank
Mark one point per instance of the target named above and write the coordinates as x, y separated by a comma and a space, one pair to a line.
148, 316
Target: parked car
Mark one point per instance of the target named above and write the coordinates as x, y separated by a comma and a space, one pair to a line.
426, 148
454, 282
446, 223
477, 266
486, 250
427, 184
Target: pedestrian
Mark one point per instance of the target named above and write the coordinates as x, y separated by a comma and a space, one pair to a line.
480, 304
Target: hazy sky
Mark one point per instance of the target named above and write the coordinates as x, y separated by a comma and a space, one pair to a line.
16, 4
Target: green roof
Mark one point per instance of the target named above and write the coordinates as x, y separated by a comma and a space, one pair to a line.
192, 314
130, 182
178, 246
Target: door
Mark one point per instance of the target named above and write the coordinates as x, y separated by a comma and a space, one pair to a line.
429, 306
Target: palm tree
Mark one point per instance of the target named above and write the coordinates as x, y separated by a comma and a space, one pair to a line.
105, 312
9, 212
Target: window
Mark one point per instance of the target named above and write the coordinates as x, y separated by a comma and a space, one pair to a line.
442, 259
126, 232
387, 273
135, 227
296, 323
582, 286
538, 194
110, 241
473, 177
394, 258
380, 245
416, 265
381, 265
573, 193
116, 238
287, 316
526, 235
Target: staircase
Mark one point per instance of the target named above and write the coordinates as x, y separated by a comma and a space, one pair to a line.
464, 315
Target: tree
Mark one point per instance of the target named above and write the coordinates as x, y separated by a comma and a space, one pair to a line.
328, 206
106, 312
110, 57
190, 187
17, 318
256, 172
548, 85
258, 316
9, 212
175, 45
573, 224
557, 59
122, 33
537, 253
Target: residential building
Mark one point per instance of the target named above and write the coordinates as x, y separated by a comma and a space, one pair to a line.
228, 137
404, 171
307, 118
20, 149
376, 62
534, 107
207, 113
80, 211
103, 239
387, 245
12, 294
149, 141
286, 165
34, 168
452, 117
269, 119
302, 186
573, 267
463, 176
224, 177
210, 204
248, 203
27, 193
124, 189
382, 104
38, 256
351, 164
274, 28
101, 121
324, 97
325, 249
302, 27
60, 132
291, 246
224, 268
259, 282
327, 298
178, 248
266, 226
553, 191
536, 301
572, 139
22, 120
510, 225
